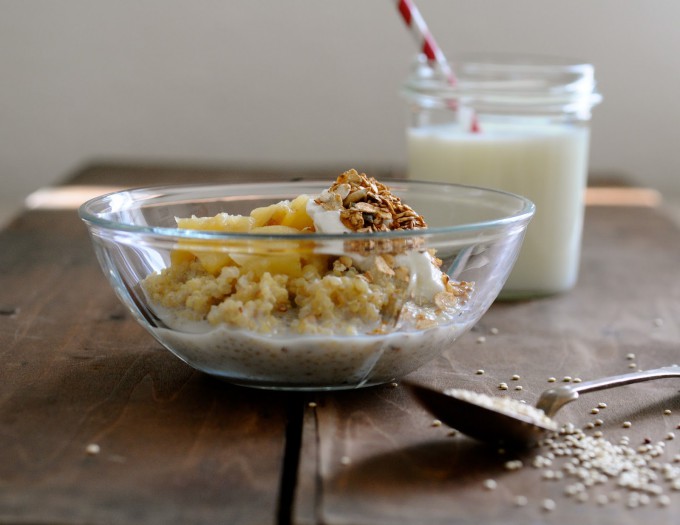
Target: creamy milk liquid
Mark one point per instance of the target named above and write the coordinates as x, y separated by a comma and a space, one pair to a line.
321, 360
545, 163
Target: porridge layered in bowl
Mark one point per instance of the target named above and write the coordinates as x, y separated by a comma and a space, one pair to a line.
308, 285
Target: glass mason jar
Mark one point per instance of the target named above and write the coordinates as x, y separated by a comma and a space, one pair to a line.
519, 124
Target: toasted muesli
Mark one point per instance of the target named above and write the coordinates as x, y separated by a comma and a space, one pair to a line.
367, 205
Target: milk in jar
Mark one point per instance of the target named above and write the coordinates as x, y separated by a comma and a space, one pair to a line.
533, 140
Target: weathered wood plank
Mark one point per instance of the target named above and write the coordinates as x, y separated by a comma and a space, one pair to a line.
379, 459
178, 447
175, 445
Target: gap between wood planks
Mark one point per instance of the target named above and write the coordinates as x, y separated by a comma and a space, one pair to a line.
291, 458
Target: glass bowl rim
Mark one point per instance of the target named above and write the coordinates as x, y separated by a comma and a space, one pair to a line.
86, 213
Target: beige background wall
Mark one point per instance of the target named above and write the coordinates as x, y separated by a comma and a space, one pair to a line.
300, 82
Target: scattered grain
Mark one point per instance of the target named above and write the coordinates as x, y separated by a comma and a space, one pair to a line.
493, 331
515, 377
667, 412
540, 462
480, 372
627, 424
551, 380
481, 339
514, 464
490, 484
93, 449
548, 504
595, 461
566, 379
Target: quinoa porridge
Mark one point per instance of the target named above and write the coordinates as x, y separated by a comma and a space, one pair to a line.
364, 312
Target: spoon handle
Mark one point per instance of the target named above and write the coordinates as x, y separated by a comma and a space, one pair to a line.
555, 398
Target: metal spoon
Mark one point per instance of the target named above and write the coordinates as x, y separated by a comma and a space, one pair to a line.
513, 428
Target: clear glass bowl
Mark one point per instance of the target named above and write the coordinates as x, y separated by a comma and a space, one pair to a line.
350, 331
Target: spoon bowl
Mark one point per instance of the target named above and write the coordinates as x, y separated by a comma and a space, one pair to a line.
508, 422
482, 421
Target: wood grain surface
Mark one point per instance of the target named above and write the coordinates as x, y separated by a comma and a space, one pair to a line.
176, 446
375, 457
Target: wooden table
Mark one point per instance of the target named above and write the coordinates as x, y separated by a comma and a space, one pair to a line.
100, 425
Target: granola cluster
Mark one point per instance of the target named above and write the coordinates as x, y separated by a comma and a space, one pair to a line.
367, 205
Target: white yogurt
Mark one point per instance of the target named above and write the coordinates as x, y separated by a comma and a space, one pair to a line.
545, 163
325, 221
426, 279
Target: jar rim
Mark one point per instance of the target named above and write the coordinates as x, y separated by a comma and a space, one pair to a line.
504, 79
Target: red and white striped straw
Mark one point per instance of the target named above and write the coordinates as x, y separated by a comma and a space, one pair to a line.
428, 46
